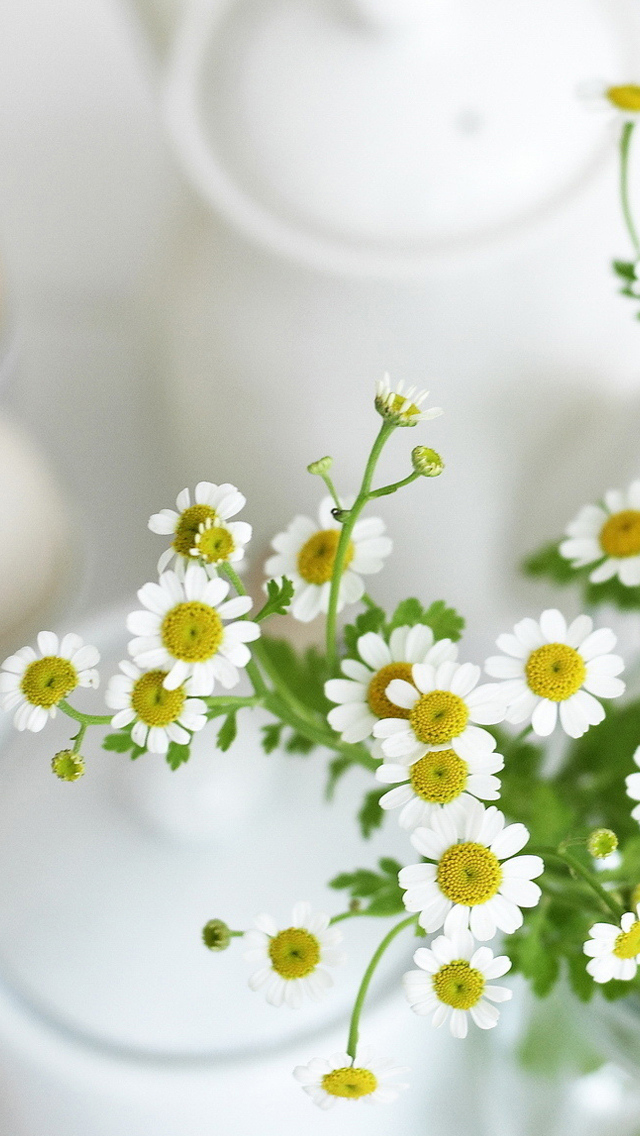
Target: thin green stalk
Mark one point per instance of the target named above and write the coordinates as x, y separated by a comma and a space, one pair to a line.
252, 669
345, 536
367, 601
79, 738
625, 143
387, 489
345, 915
84, 719
316, 733
354, 1025
584, 874
332, 489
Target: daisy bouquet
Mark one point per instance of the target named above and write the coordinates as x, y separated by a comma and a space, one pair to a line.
513, 863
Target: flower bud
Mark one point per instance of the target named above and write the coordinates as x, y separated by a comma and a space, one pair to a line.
602, 842
216, 935
426, 461
67, 765
320, 467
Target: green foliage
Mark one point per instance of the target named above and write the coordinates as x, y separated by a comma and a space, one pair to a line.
279, 596
122, 742
547, 562
337, 768
305, 674
227, 732
298, 743
370, 815
177, 755
625, 269
380, 888
271, 735
445, 622
373, 619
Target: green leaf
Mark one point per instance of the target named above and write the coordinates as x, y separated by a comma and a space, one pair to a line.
177, 755
227, 732
580, 981
547, 562
119, 743
298, 743
445, 622
305, 675
271, 736
389, 867
370, 815
337, 768
382, 889
279, 596
370, 620
625, 269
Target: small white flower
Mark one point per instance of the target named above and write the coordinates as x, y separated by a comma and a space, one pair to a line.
633, 786
436, 782
361, 696
33, 686
160, 716
182, 632
610, 535
620, 101
468, 877
452, 982
292, 962
402, 407
614, 951
369, 1078
550, 665
214, 504
443, 704
306, 554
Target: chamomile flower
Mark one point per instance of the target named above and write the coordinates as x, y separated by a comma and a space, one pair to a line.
436, 782
292, 962
614, 950
159, 716
182, 631
213, 503
402, 407
306, 553
608, 535
633, 786
476, 872
361, 696
549, 666
33, 686
452, 983
620, 101
369, 1078
442, 705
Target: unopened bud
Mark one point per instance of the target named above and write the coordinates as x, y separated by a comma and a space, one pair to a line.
67, 765
602, 842
216, 935
321, 466
426, 462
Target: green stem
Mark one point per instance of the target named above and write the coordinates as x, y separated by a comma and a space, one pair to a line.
345, 915
357, 754
352, 1043
84, 719
387, 489
584, 873
367, 601
345, 537
227, 703
252, 669
79, 738
625, 142
332, 489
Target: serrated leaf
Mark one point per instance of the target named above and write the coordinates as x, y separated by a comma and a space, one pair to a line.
279, 596
305, 675
119, 743
445, 622
383, 891
337, 768
177, 755
370, 815
625, 269
271, 736
227, 732
298, 743
370, 620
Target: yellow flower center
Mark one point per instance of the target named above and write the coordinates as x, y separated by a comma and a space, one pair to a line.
459, 985
192, 631
317, 556
154, 705
48, 680
628, 942
294, 953
439, 776
620, 534
555, 671
626, 97
396, 407
188, 526
438, 717
469, 874
350, 1081
214, 544
379, 704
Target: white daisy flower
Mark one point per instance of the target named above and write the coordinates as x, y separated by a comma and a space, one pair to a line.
402, 407
452, 982
214, 504
442, 713
369, 1077
34, 686
468, 877
609, 534
182, 631
361, 696
633, 786
620, 101
614, 951
549, 665
436, 782
306, 554
293, 962
160, 716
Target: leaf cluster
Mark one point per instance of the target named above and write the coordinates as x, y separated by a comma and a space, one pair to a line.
122, 742
444, 621
547, 562
381, 889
